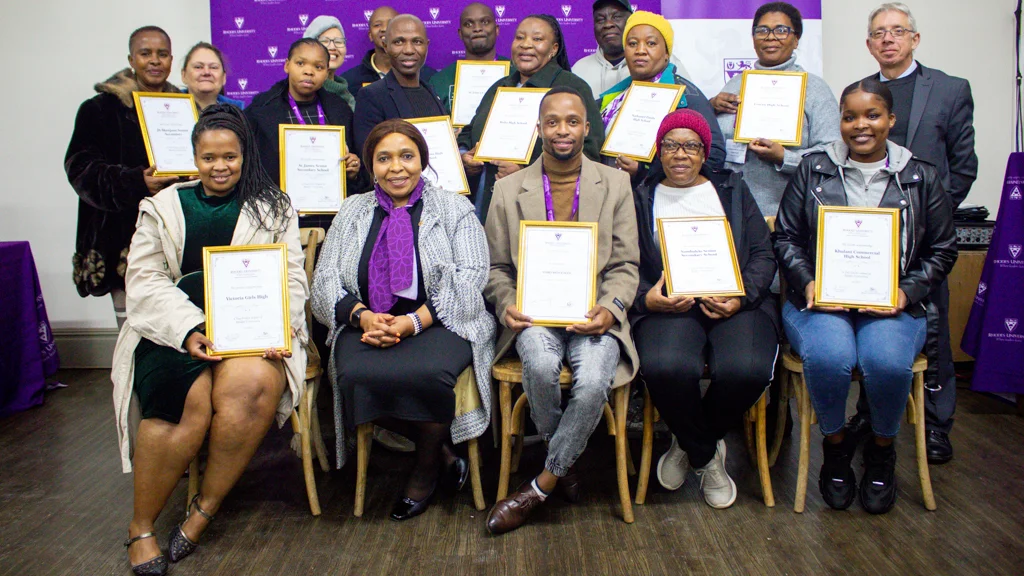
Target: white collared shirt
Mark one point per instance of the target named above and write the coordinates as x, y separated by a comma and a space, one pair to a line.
907, 72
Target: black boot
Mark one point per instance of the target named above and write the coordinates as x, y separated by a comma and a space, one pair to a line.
836, 480
878, 486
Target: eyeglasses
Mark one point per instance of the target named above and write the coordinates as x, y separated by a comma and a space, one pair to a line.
781, 32
692, 147
897, 33
338, 42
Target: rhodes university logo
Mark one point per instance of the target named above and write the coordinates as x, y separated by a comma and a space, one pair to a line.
272, 50
243, 82
434, 12
1014, 250
367, 14
566, 9
500, 9
1011, 324
303, 18
1015, 195
239, 22
982, 287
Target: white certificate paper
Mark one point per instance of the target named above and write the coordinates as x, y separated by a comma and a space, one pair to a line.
445, 168
857, 257
699, 257
312, 167
557, 275
246, 299
772, 107
167, 123
472, 79
635, 129
510, 132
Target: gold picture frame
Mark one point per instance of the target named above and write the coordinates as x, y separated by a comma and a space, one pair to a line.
137, 98
282, 131
894, 213
679, 89
739, 292
800, 116
490, 116
455, 146
459, 65
524, 225
208, 253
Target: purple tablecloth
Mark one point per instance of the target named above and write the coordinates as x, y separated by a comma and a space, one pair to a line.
28, 354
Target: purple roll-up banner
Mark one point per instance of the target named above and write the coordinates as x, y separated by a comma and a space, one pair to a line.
994, 335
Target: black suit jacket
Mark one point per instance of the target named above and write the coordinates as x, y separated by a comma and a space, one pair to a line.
383, 100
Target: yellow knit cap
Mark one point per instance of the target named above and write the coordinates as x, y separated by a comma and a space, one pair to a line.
657, 21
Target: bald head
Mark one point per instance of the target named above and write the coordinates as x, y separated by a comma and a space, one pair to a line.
406, 22
478, 31
378, 24
476, 9
406, 45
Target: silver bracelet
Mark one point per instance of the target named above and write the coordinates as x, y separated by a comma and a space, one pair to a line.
416, 323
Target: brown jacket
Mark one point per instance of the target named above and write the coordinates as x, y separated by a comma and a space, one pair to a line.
605, 198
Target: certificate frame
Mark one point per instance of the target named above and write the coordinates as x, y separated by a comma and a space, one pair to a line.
137, 98
282, 131
605, 151
487, 123
506, 65
894, 213
524, 225
739, 292
800, 115
208, 252
455, 146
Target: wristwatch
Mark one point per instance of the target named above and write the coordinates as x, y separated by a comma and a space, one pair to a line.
355, 317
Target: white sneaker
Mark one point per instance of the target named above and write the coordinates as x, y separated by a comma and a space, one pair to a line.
673, 466
392, 441
718, 488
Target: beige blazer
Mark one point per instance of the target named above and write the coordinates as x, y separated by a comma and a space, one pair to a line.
159, 311
605, 198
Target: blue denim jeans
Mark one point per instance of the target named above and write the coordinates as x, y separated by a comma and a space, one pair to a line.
593, 360
832, 344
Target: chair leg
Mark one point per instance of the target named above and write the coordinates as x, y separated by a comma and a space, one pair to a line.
364, 437
782, 416
317, 437
749, 419
474, 475
305, 407
621, 407
505, 400
518, 431
805, 442
193, 481
646, 449
762, 451
922, 445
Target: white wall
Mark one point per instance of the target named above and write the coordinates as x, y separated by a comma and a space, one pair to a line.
84, 42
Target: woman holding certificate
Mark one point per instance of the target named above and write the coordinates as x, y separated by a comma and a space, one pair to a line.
399, 285
164, 359
677, 332
826, 255
204, 76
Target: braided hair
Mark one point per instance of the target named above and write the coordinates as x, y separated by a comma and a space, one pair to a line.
257, 193
562, 56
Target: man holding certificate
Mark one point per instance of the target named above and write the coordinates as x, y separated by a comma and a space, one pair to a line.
563, 187
478, 30
877, 284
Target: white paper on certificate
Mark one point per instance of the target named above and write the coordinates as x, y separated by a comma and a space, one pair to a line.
700, 257
635, 129
312, 169
472, 80
771, 107
857, 260
445, 168
246, 299
510, 131
557, 275
168, 129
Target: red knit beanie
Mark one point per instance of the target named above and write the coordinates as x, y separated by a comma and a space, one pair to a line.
685, 118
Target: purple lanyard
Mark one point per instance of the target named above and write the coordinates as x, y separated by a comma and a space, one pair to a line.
549, 203
319, 112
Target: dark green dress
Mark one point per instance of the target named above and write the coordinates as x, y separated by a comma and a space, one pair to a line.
163, 376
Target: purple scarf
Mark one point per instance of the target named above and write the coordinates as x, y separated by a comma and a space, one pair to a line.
391, 262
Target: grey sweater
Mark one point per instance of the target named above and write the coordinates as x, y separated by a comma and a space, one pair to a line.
765, 179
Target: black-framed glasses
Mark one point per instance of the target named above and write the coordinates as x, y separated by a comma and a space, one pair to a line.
328, 42
781, 32
691, 147
896, 32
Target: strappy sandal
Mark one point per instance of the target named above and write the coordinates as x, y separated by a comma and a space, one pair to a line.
155, 567
179, 546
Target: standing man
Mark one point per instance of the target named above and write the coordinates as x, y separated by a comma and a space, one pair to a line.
375, 63
564, 186
478, 31
107, 166
935, 120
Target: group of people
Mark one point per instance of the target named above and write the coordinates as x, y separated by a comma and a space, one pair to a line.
415, 285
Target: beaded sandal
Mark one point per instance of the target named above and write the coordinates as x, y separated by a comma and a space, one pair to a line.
155, 567
179, 546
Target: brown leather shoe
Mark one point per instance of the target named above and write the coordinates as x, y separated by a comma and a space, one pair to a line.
568, 487
512, 512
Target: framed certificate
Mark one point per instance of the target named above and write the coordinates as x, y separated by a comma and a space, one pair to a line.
472, 79
858, 257
313, 167
167, 121
699, 257
445, 165
557, 271
247, 299
634, 132
510, 132
772, 107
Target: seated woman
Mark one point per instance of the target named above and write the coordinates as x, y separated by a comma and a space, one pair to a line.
676, 336
162, 354
204, 76
647, 38
863, 169
399, 286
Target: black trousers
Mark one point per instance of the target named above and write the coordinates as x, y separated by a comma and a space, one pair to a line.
740, 355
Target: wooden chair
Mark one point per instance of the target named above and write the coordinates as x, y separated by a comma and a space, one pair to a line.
509, 373
305, 422
467, 398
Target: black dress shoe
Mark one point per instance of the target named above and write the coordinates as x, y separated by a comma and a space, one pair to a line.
455, 476
407, 508
858, 429
940, 450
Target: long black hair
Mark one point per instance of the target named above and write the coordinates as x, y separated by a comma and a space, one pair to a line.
257, 193
871, 86
562, 56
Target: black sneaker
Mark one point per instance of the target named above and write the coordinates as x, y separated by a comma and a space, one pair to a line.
836, 481
858, 429
878, 485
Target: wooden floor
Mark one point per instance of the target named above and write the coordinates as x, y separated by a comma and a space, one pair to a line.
65, 506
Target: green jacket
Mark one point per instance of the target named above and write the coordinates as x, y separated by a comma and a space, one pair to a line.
338, 85
549, 76
443, 83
